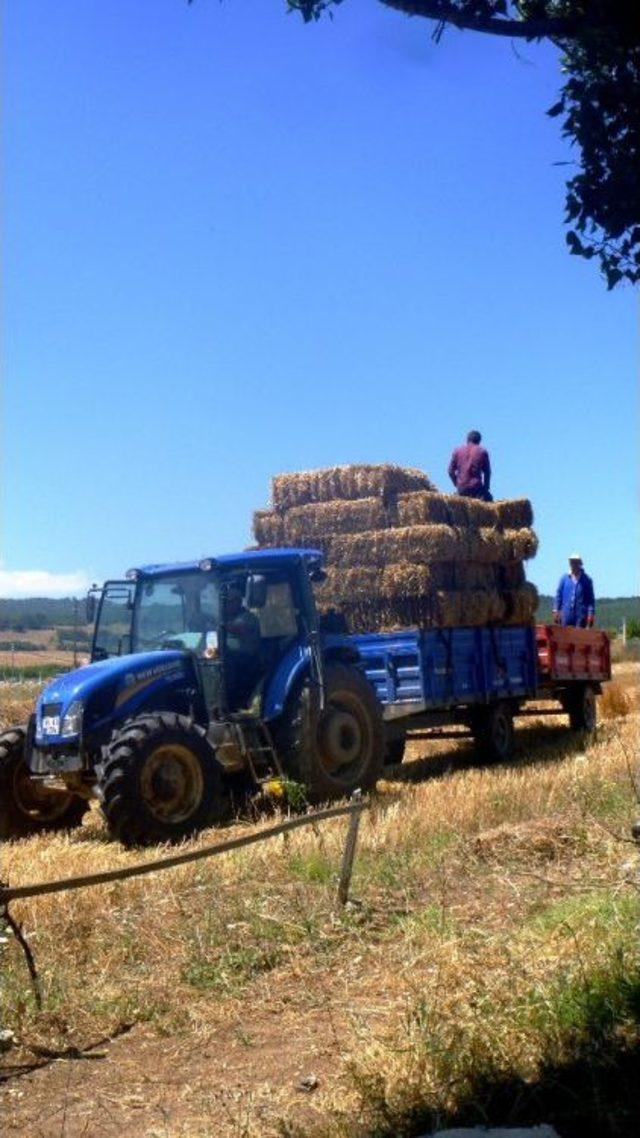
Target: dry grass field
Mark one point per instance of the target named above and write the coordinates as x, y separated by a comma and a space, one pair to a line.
486, 970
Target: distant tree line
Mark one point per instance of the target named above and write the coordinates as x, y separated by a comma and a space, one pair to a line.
18, 615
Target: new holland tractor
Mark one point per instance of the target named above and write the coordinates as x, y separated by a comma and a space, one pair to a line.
207, 679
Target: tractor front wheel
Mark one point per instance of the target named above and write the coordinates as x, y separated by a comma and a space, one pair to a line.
339, 749
161, 781
26, 806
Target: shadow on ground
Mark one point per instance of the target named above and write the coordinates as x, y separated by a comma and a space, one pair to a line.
549, 743
591, 1096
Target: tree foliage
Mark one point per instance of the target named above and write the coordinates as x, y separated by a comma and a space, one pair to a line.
599, 105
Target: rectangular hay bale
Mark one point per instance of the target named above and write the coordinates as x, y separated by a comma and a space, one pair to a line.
268, 527
475, 575
524, 543
354, 481
470, 511
420, 507
322, 520
415, 544
521, 604
514, 513
366, 583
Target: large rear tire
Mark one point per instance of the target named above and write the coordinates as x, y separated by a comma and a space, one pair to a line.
341, 749
161, 781
494, 733
25, 806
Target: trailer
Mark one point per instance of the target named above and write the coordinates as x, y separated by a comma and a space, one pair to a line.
441, 680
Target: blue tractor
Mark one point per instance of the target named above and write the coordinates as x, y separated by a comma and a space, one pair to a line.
207, 680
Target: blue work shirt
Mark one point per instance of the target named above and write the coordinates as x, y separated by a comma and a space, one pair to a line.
575, 599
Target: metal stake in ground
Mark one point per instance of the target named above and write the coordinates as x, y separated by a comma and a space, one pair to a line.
350, 848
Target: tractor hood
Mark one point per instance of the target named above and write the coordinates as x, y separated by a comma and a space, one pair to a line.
117, 686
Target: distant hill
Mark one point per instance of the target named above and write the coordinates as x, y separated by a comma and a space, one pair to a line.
38, 612
47, 612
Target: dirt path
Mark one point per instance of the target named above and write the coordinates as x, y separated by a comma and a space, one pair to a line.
281, 1055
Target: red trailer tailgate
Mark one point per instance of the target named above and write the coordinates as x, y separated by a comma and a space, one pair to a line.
566, 653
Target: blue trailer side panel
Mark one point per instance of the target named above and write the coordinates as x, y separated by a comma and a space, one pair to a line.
433, 669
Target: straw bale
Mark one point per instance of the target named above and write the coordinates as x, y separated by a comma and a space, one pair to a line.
441, 608
509, 575
321, 520
355, 481
514, 513
447, 609
480, 606
524, 543
488, 545
426, 543
268, 527
470, 511
373, 584
421, 507
475, 575
415, 580
521, 604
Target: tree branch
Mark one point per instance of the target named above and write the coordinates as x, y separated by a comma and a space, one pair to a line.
530, 29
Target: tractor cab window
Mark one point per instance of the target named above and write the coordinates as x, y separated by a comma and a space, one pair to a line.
113, 625
177, 611
278, 616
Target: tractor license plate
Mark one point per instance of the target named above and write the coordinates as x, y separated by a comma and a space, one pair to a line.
50, 724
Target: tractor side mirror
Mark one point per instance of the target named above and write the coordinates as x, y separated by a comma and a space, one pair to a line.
256, 593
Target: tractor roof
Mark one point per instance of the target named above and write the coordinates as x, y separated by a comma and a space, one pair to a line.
251, 560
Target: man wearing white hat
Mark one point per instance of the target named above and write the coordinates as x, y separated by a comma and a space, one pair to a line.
575, 600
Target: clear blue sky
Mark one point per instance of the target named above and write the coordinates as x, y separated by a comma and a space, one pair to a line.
237, 245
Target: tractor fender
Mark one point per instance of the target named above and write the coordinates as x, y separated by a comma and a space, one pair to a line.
294, 665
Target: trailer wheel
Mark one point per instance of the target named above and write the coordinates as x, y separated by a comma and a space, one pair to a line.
25, 807
494, 732
341, 749
394, 751
161, 781
582, 709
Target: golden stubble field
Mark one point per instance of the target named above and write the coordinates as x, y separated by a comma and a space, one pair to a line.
487, 969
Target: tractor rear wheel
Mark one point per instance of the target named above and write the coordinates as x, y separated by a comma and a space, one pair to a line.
337, 750
161, 781
25, 806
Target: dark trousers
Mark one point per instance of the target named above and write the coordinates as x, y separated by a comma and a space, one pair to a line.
480, 493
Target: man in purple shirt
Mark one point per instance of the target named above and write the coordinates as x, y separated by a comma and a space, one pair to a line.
470, 469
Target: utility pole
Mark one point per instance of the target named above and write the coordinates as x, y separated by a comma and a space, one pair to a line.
624, 632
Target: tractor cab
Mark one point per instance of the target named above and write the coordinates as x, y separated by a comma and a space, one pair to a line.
236, 616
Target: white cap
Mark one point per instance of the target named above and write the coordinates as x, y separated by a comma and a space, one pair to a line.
575, 557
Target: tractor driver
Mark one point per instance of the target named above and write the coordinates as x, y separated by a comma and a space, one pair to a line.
243, 665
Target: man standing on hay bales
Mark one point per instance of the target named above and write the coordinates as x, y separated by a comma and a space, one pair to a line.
575, 599
470, 469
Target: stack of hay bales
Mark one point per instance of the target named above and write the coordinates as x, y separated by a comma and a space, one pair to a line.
400, 553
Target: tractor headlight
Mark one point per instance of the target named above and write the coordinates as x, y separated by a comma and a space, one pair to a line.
72, 721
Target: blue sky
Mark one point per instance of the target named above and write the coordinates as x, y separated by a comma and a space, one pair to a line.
237, 245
